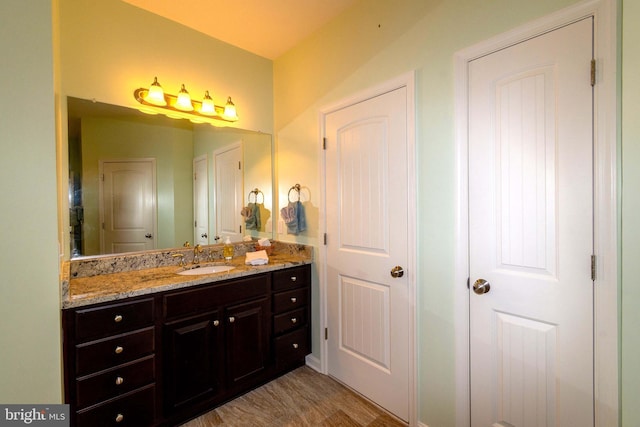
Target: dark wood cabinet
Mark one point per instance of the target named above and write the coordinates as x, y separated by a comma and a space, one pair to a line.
110, 359
165, 358
247, 342
291, 312
193, 359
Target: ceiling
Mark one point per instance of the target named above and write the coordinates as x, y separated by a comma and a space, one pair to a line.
267, 28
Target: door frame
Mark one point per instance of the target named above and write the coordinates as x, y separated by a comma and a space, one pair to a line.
606, 375
406, 80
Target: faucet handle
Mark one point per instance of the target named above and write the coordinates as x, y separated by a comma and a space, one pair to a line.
181, 262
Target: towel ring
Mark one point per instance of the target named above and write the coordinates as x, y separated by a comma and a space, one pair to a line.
295, 187
255, 193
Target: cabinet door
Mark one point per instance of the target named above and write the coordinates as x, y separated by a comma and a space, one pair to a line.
193, 359
247, 340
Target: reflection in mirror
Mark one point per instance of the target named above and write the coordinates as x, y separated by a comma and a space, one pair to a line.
139, 182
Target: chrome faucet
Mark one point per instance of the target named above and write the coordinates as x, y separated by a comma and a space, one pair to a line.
197, 250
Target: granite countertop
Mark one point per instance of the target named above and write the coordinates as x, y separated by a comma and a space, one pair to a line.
92, 289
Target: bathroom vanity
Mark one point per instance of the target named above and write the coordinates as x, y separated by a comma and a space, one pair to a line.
169, 351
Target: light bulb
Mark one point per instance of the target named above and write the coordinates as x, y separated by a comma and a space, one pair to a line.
184, 100
230, 110
155, 95
208, 107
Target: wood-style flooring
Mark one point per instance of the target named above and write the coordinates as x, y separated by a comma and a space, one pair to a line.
303, 397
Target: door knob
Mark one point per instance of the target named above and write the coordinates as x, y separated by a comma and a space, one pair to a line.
148, 235
204, 235
481, 286
397, 271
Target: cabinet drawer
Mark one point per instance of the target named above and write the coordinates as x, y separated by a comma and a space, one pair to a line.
291, 347
291, 278
134, 409
289, 320
193, 301
114, 382
109, 352
112, 319
285, 301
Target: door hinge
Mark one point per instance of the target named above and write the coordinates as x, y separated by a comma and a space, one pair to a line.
239, 166
468, 282
593, 268
325, 239
593, 72
103, 225
240, 227
326, 333
102, 177
324, 143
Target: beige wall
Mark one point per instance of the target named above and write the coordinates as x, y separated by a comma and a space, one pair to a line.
30, 361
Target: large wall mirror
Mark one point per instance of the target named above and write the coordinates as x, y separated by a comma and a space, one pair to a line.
140, 182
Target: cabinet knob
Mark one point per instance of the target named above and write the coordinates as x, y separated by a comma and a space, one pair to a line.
119, 418
294, 320
119, 380
294, 278
232, 319
295, 345
118, 318
294, 299
216, 322
119, 349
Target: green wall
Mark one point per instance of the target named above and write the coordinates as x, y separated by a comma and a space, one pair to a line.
387, 39
630, 224
30, 361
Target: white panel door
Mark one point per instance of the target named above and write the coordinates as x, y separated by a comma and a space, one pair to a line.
531, 232
367, 219
228, 196
127, 205
200, 201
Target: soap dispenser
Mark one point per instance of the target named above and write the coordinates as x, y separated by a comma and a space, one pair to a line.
227, 250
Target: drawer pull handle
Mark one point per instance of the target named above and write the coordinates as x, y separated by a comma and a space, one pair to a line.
294, 320
294, 299
118, 318
232, 319
295, 345
119, 349
119, 380
216, 322
294, 278
119, 418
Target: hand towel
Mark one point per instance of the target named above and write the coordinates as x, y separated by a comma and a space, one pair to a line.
256, 258
294, 217
251, 214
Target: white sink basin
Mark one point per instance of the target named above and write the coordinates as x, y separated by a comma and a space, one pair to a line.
206, 270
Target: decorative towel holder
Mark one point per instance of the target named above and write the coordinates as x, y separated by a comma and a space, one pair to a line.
255, 193
297, 189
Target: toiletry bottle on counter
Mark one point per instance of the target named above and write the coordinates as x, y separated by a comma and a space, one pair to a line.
227, 250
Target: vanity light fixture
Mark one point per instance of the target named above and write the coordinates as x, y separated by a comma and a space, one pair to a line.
155, 100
